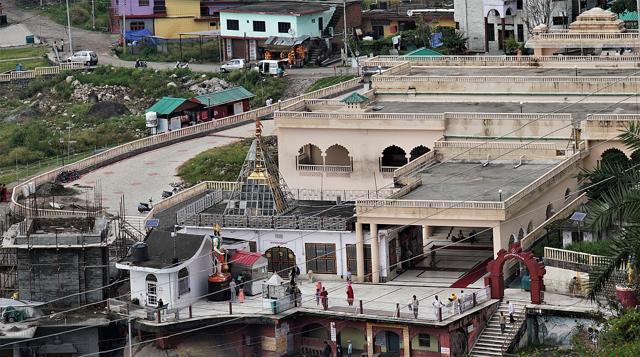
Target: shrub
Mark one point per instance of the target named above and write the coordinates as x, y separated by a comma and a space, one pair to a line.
599, 247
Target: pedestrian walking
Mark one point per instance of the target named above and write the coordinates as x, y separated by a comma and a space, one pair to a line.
437, 305
349, 348
326, 352
472, 236
232, 290
324, 295
310, 275
319, 285
461, 301
349, 294
396, 313
241, 295
503, 322
318, 297
413, 306
55, 46
512, 311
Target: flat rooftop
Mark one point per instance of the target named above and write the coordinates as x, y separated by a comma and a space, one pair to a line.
579, 111
462, 181
521, 71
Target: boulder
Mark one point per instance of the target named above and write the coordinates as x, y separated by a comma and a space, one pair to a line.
107, 109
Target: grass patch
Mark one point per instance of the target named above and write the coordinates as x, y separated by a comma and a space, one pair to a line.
22, 52
11, 56
599, 247
329, 81
222, 163
80, 14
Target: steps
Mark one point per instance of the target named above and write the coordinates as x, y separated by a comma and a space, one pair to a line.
491, 339
333, 21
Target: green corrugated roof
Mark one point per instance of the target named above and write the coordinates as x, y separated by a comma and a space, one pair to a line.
424, 52
225, 96
166, 105
628, 16
355, 97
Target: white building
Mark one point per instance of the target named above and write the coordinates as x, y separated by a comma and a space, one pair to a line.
487, 23
174, 269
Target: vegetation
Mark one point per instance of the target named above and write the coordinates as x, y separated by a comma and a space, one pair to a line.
328, 81
191, 50
222, 163
80, 14
620, 6
262, 86
28, 57
615, 207
453, 41
511, 46
600, 247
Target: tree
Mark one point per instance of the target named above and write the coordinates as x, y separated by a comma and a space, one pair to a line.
620, 6
453, 40
537, 12
423, 32
617, 208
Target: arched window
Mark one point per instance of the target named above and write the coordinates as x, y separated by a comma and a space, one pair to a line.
337, 155
512, 240
393, 156
615, 156
520, 234
529, 227
418, 151
567, 193
550, 211
310, 154
183, 282
152, 289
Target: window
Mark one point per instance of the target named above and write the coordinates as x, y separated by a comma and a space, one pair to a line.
152, 290
560, 20
491, 32
213, 24
352, 261
519, 4
136, 25
424, 340
520, 33
259, 26
183, 282
321, 257
283, 27
233, 25
143, 2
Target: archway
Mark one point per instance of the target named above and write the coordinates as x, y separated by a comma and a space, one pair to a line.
313, 337
536, 272
615, 156
418, 151
357, 338
337, 155
550, 211
280, 259
310, 154
388, 342
393, 156
493, 12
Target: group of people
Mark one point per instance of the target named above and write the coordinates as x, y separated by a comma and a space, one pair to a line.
236, 290
59, 46
4, 193
328, 352
503, 319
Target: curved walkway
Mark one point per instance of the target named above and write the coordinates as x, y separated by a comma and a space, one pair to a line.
146, 175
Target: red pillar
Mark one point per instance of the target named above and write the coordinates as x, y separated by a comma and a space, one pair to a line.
497, 286
536, 289
486, 34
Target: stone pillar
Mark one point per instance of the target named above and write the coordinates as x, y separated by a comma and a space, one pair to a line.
536, 290
497, 241
426, 232
359, 252
486, 34
502, 32
375, 254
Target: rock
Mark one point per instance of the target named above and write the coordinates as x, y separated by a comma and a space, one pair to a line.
107, 109
203, 76
39, 95
22, 115
75, 83
69, 79
174, 76
126, 98
171, 85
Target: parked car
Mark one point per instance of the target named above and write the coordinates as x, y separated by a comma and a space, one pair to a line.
233, 64
89, 58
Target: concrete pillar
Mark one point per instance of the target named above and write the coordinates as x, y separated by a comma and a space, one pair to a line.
426, 232
502, 32
359, 252
486, 34
375, 254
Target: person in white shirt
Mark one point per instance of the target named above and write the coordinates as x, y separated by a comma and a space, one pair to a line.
437, 304
512, 310
461, 301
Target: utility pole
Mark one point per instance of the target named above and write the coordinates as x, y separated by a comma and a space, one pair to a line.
124, 26
130, 339
69, 29
344, 16
638, 13
93, 14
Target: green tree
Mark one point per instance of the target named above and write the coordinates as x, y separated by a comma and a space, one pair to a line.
620, 6
423, 32
454, 40
616, 209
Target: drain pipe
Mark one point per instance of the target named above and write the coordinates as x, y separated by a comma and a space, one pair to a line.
519, 163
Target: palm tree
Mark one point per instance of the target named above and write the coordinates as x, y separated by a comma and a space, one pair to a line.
615, 208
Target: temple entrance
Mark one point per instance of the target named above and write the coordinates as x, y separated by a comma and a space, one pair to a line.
280, 260
496, 276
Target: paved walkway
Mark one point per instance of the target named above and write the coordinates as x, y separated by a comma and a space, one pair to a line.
146, 175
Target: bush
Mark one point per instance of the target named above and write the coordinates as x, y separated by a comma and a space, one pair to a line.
79, 14
599, 247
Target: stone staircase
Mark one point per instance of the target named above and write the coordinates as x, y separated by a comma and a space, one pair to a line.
491, 340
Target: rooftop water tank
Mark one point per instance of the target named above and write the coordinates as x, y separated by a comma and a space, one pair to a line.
140, 252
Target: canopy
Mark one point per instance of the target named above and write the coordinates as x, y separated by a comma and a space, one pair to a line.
282, 43
230, 95
140, 35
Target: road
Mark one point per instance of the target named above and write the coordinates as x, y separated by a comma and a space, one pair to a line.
146, 175
100, 42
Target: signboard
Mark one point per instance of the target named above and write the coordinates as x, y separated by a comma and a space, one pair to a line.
333, 332
268, 344
152, 223
436, 39
445, 351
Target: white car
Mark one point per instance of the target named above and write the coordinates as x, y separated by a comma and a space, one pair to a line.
233, 64
89, 58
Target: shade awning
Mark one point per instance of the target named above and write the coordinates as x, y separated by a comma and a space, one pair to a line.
225, 96
279, 43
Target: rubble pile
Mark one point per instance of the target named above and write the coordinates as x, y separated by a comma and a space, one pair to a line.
85, 92
208, 86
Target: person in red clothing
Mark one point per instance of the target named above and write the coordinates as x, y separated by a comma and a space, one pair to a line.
349, 294
324, 296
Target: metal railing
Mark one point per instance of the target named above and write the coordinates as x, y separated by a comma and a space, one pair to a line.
435, 204
199, 205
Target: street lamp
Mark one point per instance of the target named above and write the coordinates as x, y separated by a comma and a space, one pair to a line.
521, 103
500, 195
576, 68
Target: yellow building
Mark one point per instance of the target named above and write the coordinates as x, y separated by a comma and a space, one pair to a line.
186, 16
